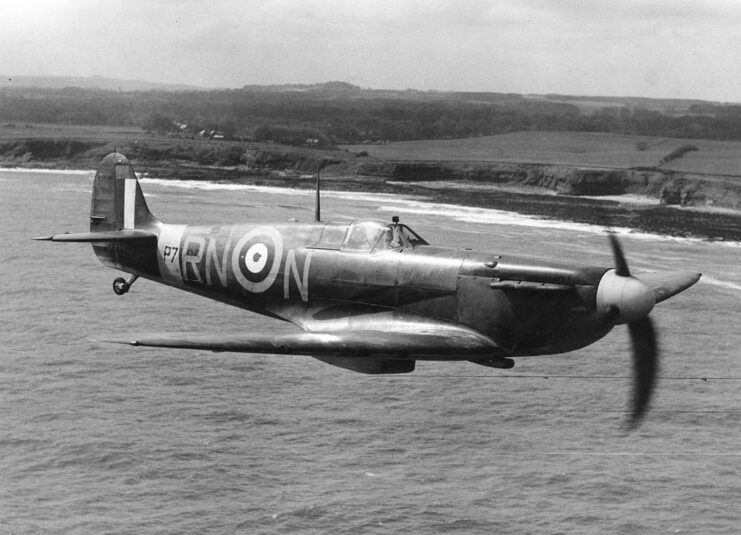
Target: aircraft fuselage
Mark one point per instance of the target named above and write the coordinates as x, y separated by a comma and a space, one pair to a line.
310, 273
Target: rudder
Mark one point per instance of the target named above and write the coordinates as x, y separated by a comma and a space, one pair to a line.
119, 213
117, 200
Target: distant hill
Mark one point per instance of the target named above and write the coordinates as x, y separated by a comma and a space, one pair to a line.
336, 87
91, 82
585, 103
344, 90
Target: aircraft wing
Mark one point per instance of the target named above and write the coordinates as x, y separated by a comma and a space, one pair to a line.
461, 342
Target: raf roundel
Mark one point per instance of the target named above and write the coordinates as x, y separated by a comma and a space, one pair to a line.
256, 259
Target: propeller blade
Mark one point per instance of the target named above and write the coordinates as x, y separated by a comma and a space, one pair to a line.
636, 300
621, 266
645, 367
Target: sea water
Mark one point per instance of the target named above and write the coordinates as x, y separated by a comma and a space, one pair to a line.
101, 438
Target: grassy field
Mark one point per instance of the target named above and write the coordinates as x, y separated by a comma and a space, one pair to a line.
79, 146
109, 136
714, 157
10, 131
570, 149
577, 149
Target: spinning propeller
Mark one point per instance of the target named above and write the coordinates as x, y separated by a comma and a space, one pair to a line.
629, 300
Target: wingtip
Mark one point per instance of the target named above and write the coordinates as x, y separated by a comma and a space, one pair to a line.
113, 340
52, 237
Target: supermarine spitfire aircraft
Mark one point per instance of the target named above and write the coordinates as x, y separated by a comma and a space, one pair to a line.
373, 297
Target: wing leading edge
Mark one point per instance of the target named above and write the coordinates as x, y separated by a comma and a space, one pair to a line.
456, 342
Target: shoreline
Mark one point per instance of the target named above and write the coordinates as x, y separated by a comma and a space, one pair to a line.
637, 212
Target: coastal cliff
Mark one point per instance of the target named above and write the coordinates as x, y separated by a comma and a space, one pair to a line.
223, 160
669, 187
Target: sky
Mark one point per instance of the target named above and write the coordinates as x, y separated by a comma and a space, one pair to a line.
652, 48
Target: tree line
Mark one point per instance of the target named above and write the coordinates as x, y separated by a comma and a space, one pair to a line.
340, 114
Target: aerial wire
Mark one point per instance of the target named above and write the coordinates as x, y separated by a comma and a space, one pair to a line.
561, 376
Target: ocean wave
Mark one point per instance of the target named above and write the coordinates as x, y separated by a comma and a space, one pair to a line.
721, 283
414, 205
81, 172
277, 190
221, 186
491, 216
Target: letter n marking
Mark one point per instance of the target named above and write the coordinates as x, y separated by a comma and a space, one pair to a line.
291, 270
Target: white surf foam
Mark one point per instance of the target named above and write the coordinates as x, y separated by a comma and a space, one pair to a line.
277, 190
81, 172
412, 205
490, 216
720, 283
205, 185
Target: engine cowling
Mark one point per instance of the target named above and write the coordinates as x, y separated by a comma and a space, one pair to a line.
627, 297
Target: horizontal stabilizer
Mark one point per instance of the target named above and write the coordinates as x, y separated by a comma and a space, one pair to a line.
103, 236
348, 344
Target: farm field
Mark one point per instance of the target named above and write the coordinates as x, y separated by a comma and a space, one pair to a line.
10, 131
713, 157
569, 149
576, 149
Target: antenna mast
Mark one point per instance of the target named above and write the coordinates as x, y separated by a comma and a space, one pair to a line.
317, 206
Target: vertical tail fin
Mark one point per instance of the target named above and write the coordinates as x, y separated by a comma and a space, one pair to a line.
118, 202
118, 211
123, 232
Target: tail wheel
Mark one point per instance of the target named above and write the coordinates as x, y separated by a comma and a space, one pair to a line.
120, 286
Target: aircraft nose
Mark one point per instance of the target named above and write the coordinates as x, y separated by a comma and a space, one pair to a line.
631, 298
